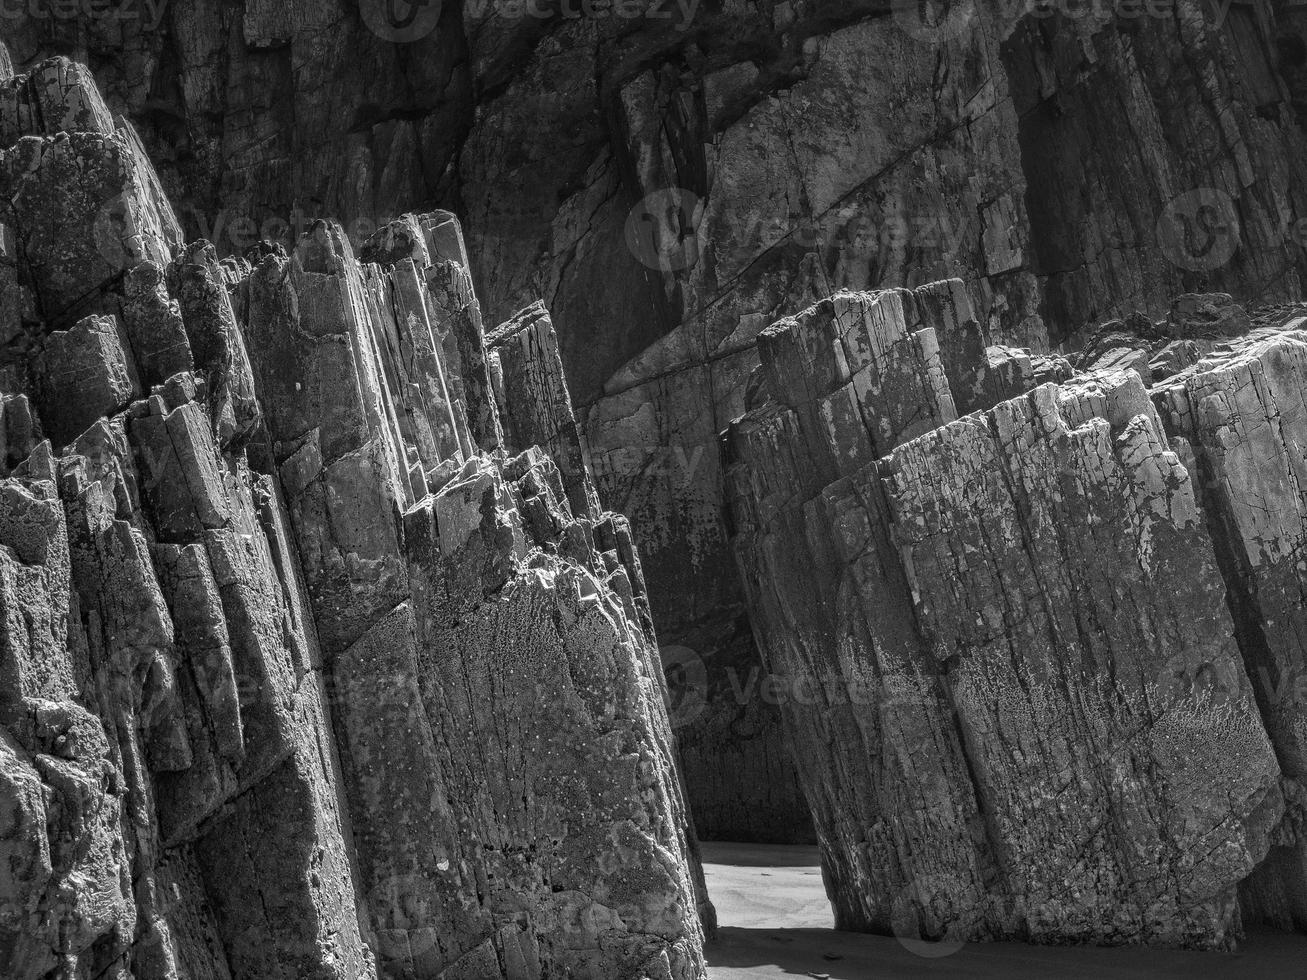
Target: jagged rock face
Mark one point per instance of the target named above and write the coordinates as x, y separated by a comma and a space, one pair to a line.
628, 170
673, 182
1240, 412
296, 679
1026, 712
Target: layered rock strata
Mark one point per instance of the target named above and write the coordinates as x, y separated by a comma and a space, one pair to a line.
1023, 709
298, 676
626, 168
673, 179
1241, 417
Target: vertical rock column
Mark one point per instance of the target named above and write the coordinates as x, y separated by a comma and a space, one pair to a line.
67, 897
867, 719
434, 242
1063, 582
1017, 687
1242, 415
213, 844
505, 746
534, 406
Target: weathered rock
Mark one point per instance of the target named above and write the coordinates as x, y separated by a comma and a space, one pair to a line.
1017, 687
534, 406
86, 371
1206, 316
200, 752
153, 323
476, 577
677, 181
653, 452
57, 96
215, 341
89, 207
1242, 413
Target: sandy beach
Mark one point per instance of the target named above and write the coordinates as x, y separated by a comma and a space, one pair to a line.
775, 922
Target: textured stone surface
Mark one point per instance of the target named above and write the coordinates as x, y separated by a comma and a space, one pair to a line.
1025, 711
534, 406
295, 679
87, 371
670, 183
1241, 412
377, 680
482, 637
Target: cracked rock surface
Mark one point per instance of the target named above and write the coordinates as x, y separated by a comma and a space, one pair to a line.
1029, 711
302, 672
671, 183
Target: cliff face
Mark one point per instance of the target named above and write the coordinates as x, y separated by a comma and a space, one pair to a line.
1029, 712
320, 656
305, 671
674, 180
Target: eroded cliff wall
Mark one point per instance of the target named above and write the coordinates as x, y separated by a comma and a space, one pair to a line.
676, 178
1030, 711
302, 675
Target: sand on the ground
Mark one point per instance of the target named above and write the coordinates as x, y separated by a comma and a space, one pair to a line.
775, 921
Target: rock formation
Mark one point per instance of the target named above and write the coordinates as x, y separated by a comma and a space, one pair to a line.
1026, 712
1240, 416
302, 672
674, 179
319, 653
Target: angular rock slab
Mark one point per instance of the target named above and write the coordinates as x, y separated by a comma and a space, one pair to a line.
1019, 685
1064, 585
1241, 411
498, 708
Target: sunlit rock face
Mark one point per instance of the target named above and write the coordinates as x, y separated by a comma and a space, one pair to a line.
308, 668
673, 178
1049, 644
992, 588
